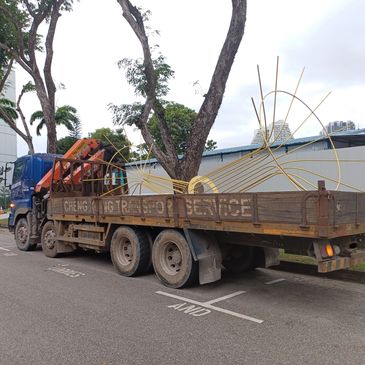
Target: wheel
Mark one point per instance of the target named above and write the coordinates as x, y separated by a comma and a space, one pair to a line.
22, 236
48, 239
172, 260
130, 251
239, 259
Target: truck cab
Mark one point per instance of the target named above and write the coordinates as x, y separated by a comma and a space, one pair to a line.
28, 171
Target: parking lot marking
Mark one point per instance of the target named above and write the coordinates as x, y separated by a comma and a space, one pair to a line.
10, 254
4, 249
225, 297
193, 310
212, 307
62, 269
274, 281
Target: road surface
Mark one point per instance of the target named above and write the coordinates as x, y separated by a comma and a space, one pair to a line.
78, 310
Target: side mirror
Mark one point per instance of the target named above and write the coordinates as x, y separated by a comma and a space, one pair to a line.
8, 168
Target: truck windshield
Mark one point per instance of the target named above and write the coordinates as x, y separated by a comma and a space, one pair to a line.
18, 170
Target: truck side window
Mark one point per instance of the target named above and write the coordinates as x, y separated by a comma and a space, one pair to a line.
18, 170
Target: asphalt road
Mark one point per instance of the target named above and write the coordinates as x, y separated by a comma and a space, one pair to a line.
78, 310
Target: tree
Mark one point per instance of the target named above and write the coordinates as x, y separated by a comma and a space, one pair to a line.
65, 115
23, 19
179, 119
76, 130
116, 139
65, 143
10, 111
149, 78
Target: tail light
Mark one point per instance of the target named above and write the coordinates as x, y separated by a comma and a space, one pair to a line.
325, 250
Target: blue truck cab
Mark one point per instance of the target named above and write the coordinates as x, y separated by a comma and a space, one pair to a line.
28, 171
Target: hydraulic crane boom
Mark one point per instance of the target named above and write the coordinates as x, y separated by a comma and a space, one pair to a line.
81, 150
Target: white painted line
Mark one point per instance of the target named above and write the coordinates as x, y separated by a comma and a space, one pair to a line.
62, 269
209, 306
10, 254
225, 297
274, 281
4, 249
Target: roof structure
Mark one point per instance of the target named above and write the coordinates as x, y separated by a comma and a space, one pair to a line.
350, 138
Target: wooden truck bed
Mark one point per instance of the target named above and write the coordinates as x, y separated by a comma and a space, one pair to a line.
313, 214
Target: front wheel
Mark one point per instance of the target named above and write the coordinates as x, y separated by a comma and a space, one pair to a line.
48, 239
172, 260
22, 236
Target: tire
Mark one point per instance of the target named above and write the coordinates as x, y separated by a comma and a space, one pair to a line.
22, 236
49, 243
130, 251
239, 259
172, 260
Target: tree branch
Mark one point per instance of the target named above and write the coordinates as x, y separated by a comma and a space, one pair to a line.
9, 121
135, 20
25, 125
19, 32
47, 70
6, 75
209, 109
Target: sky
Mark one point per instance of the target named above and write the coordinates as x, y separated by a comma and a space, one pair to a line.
324, 36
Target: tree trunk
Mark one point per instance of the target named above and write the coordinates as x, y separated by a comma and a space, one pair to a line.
188, 167
51, 137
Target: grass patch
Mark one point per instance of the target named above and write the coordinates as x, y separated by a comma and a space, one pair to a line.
311, 261
4, 221
297, 258
360, 267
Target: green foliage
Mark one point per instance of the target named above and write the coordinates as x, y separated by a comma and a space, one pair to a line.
65, 143
210, 145
135, 75
8, 107
76, 131
65, 115
28, 87
179, 119
126, 113
12, 16
114, 138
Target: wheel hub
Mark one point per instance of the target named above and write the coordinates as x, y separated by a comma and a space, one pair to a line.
22, 234
49, 239
126, 252
171, 260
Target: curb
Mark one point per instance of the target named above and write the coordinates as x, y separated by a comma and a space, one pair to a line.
306, 269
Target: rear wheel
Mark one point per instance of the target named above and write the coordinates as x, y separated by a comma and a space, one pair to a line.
130, 251
172, 260
22, 236
239, 259
48, 239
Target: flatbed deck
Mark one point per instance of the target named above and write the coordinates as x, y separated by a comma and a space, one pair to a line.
311, 214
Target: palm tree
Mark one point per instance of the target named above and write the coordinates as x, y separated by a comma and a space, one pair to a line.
8, 107
65, 115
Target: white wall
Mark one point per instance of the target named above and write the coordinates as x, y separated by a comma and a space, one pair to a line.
8, 139
350, 173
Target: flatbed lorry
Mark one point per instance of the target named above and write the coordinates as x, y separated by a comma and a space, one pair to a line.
85, 204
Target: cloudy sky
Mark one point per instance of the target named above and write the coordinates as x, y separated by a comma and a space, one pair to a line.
324, 36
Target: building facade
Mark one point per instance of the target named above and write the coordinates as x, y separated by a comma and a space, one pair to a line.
339, 126
278, 132
8, 140
338, 161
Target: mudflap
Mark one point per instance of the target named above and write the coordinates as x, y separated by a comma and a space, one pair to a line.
205, 249
271, 256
